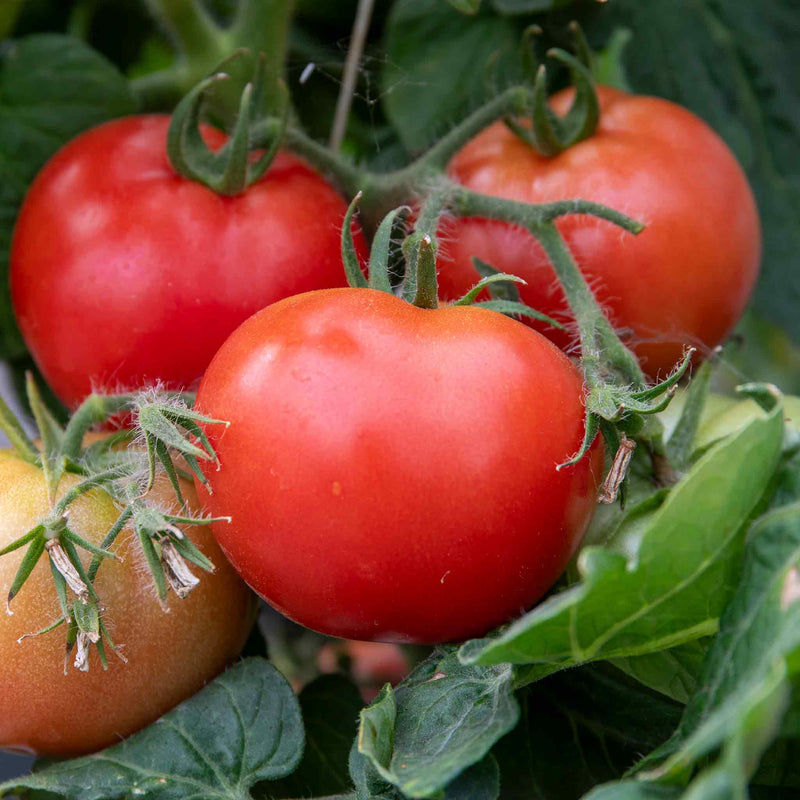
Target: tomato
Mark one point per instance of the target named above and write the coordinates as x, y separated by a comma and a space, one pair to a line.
684, 281
390, 471
124, 274
169, 655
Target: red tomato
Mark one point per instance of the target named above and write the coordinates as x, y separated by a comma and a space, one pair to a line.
123, 273
391, 471
170, 655
684, 281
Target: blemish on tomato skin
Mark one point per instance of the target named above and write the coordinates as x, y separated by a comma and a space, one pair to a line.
336, 488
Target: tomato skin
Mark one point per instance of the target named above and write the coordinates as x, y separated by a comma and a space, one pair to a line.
391, 471
684, 281
123, 273
170, 655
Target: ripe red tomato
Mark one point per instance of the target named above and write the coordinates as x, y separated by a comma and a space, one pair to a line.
123, 273
170, 655
391, 471
684, 281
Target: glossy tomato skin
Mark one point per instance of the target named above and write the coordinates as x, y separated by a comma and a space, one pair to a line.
170, 655
684, 281
391, 471
123, 273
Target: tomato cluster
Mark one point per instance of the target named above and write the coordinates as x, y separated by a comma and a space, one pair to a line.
390, 472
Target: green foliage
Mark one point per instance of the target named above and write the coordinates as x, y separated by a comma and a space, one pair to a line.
52, 87
242, 728
442, 719
330, 706
438, 66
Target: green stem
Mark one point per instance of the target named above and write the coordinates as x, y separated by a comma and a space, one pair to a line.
512, 101
383, 192
262, 26
94, 409
191, 28
347, 177
601, 348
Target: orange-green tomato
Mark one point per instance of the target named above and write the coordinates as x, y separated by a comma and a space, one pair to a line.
169, 655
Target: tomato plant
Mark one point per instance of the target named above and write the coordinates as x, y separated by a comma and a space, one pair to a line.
421, 446
429, 469
111, 239
685, 280
47, 709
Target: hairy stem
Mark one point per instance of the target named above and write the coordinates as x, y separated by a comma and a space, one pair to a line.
262, 26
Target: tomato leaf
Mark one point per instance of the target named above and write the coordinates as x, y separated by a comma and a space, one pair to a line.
242, 728
330, 706
440, 721
437, 65
662, 582
52, 87
674, 672
732, 63
744, 688
580, 727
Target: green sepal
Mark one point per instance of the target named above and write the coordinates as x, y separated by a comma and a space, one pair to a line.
161, 422
352, 269
513, 309
87, 618
486, 283
72, 554
381, 249
591, 428
110, 538
192, 553
548, 133
153, 564
229, 170
29, 561
501, 290
52, 460
23, 540
78, 540
61, 590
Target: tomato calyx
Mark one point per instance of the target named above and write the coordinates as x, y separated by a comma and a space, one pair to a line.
231, 169
546, 132
125, 476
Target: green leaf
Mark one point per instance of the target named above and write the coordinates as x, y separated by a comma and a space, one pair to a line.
441, 720
242, 728
437, 66
674, 672
743, 684
675, 572
330, 706
734, 62
52, 87
580, 727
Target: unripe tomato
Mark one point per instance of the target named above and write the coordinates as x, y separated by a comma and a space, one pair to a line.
123, 273
390, 471
684, 281
169, 655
